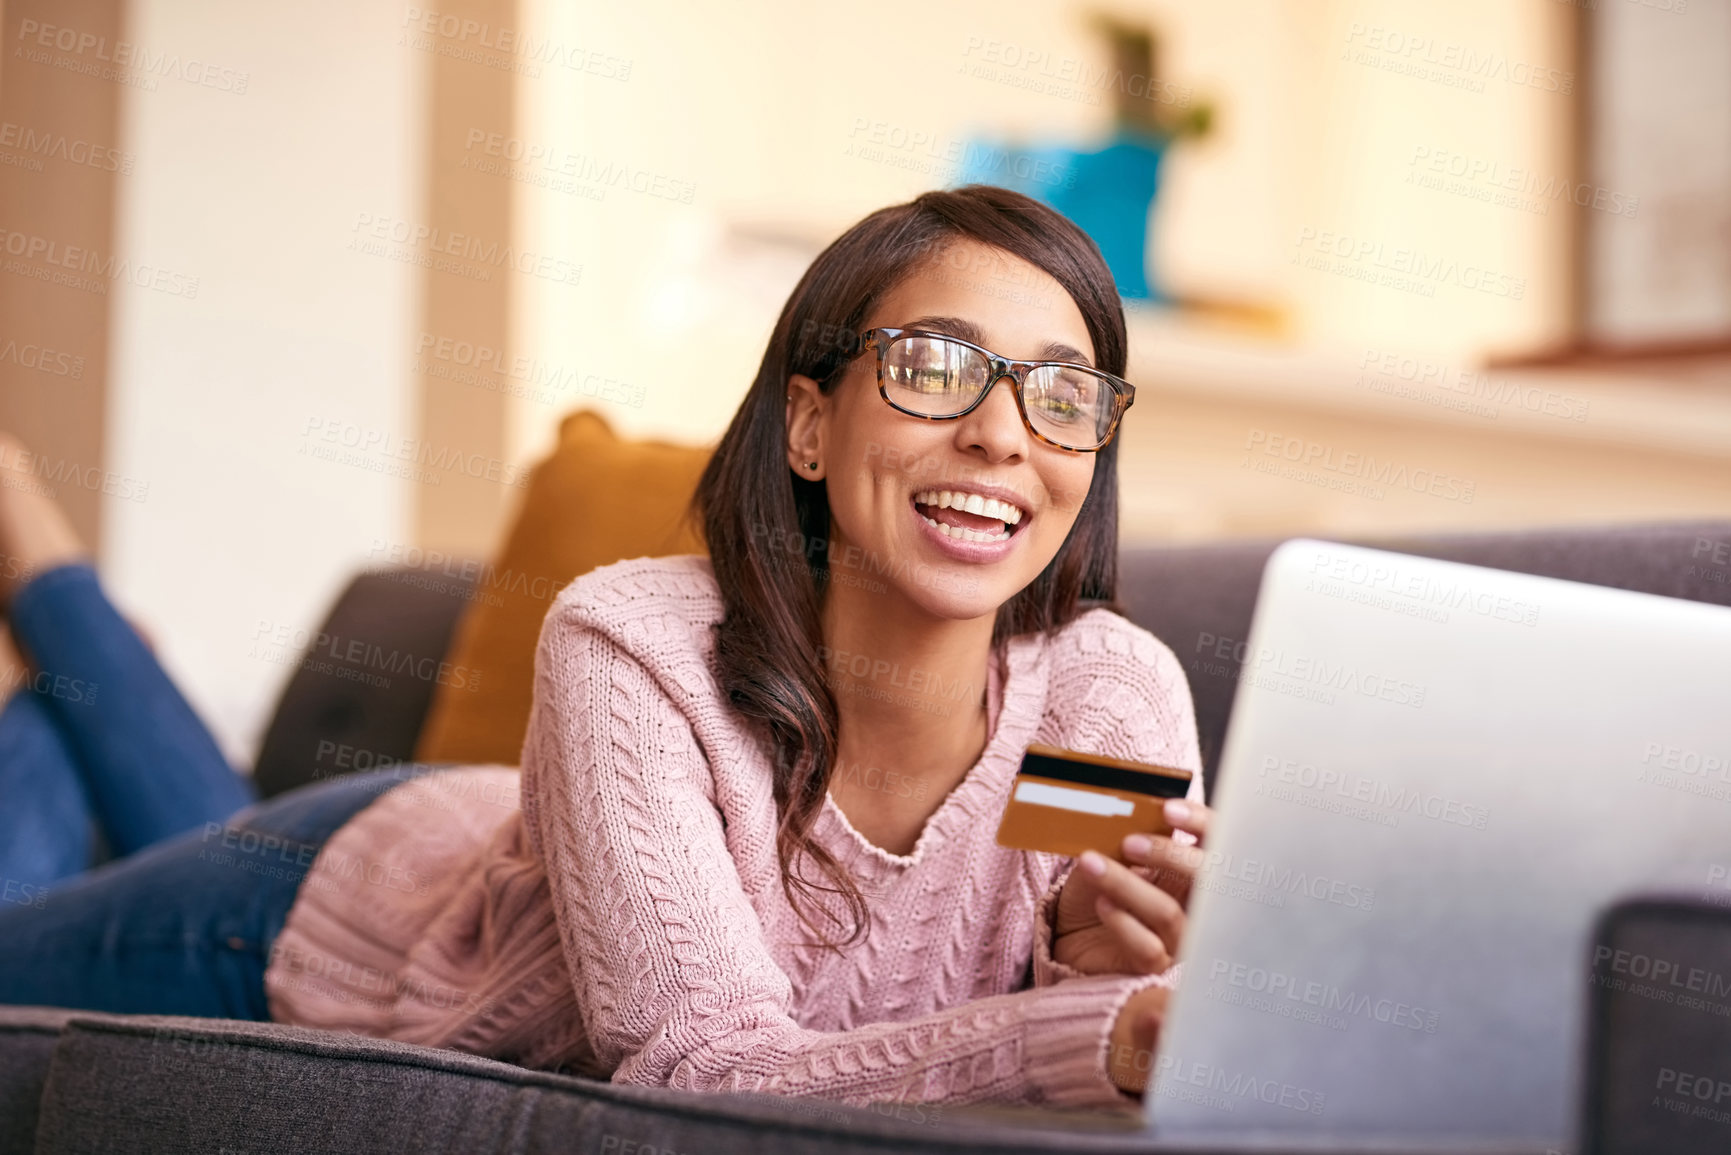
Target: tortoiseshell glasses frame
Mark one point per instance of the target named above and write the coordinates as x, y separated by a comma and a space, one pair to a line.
1060, 385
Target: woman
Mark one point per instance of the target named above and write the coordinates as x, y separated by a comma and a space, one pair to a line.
710, 881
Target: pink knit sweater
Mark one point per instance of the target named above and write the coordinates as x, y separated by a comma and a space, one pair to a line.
627, 919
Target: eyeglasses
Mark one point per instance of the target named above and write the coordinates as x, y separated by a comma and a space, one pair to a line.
941, 378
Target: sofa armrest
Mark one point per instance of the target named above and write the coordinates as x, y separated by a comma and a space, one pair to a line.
1658, 1070
360, 693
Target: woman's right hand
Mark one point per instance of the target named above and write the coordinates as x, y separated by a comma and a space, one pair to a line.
1130, 1061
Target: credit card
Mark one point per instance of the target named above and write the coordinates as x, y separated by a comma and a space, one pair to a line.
1065, 802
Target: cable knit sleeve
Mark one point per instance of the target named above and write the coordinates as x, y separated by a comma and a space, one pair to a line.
675, 980
1122, 693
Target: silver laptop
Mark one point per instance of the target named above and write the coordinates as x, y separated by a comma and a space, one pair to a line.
1435, 777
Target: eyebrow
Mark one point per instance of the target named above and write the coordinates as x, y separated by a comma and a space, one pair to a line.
968, 331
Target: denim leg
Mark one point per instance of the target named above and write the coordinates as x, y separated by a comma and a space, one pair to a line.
149, 767
45, 817
184, 927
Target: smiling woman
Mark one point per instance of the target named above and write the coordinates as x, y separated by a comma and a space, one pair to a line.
753, 847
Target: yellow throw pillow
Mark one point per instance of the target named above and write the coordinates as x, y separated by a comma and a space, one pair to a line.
596, 500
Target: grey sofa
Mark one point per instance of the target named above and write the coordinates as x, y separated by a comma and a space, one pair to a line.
81, 1082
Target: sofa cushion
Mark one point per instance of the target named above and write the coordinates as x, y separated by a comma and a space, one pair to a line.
27, 1039
595, 500
336, 715
148, 1084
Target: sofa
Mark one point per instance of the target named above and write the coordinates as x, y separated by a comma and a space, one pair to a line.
75, 1081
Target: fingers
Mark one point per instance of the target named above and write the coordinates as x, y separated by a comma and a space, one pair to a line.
1169, 865
1193, 817
1136, 901
1146, 1028
1142, 949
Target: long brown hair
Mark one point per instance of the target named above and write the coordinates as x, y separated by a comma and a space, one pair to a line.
767, 529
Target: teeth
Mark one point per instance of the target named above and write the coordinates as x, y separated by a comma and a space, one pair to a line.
971, 503
965, 534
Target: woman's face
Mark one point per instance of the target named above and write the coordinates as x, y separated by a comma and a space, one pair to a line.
888, 473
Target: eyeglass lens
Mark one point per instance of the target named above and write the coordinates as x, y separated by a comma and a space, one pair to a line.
938, 378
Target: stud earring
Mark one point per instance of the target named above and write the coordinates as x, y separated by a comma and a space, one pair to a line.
811, 465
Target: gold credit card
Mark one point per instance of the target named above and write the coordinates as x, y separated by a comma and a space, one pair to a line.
1064, 802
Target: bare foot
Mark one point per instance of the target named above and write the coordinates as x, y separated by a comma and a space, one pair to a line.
34, 533
13, 672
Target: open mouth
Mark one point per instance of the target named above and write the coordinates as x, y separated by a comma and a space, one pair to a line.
968, 516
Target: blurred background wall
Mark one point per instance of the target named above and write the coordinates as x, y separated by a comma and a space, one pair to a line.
331, 256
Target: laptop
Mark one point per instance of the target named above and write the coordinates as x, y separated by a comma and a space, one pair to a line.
1436, 776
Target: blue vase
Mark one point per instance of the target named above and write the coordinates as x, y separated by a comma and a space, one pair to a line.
1108, 193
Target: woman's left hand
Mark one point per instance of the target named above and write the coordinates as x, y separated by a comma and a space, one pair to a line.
1118, 919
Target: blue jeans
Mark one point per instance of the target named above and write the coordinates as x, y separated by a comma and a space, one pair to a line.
183, 921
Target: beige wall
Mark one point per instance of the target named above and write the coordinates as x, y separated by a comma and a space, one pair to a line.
777, 141
302, 326
468, 299
430, 240
60, 157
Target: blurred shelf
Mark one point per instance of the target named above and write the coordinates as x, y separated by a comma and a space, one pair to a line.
1645, 404
1240, 434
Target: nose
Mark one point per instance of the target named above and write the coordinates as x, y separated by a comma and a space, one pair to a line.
995, 424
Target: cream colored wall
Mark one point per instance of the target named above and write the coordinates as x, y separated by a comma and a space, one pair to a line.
757, 105
257, 195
